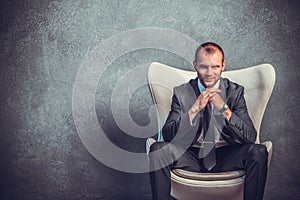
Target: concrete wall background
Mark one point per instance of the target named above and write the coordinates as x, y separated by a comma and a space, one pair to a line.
43, 44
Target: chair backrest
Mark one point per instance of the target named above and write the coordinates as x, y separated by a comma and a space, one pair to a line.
258, 82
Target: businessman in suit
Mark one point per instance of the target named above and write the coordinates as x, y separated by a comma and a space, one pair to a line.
209, 130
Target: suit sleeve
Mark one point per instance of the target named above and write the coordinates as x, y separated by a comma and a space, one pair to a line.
178, 124
239, 129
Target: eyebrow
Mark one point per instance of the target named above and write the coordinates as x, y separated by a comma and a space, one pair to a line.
208, 66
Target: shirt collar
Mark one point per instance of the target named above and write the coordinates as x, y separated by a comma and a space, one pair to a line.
202, 88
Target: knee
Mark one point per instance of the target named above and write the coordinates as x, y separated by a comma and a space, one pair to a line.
157, 145
258, 153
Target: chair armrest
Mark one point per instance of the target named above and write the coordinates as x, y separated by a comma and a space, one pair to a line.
269, 146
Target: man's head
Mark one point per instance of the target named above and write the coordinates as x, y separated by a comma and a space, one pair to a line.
209, 63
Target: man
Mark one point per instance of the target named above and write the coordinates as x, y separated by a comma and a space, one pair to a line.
224, 137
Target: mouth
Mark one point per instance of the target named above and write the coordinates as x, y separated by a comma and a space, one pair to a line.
209, 79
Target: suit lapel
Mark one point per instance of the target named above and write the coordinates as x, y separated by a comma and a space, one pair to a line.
194, 84
222, 94
196, 93
223, 89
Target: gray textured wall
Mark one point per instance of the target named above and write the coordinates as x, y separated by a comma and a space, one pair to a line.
43, 44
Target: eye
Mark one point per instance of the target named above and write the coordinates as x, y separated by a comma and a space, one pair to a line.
203, 67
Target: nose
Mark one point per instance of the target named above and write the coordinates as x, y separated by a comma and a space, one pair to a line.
208, 71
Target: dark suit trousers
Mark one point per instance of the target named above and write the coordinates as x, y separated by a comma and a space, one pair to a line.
251, 158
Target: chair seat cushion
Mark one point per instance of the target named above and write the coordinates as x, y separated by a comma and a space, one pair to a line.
217, 176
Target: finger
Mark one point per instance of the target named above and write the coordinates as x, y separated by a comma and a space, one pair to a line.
207, 95
204, 97
212, 94
213, 90
204, 94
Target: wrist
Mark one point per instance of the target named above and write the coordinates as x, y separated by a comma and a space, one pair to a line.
223, 108
192, 112
194, 109
227, 114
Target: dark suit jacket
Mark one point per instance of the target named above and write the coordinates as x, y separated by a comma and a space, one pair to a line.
177, 129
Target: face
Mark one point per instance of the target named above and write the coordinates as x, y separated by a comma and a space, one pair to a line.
209, 67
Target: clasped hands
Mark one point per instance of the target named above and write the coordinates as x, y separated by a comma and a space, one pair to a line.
209, 95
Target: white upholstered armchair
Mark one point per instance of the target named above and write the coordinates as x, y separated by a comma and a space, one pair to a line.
258, 82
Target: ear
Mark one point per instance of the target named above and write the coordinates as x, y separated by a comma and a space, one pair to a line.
194, 63
224, 64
